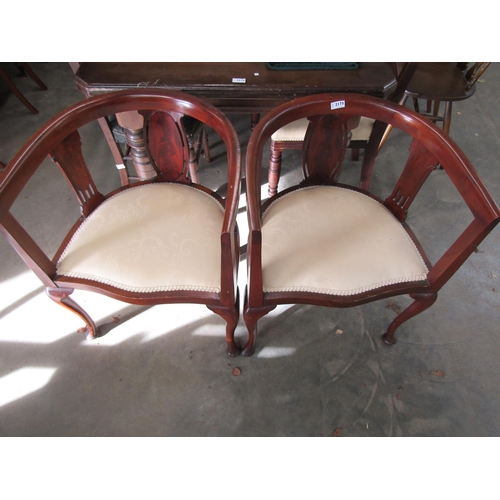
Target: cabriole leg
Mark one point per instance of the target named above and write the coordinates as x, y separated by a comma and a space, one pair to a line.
62, 297
251, 316
232, 316
422, 302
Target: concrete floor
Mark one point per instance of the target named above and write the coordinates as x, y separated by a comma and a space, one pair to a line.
163, 371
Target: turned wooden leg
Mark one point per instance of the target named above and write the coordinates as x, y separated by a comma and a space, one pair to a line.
354, 154
231, 315
133, 125
62, 297
251, 316
274, 168
422, 302
140, 158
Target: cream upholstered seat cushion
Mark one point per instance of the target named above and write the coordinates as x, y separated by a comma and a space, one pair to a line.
293, 131
333, 240
155, 237
296, 131
363, 131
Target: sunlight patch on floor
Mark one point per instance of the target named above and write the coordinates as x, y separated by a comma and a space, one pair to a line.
276, 352
22, 382
29, 316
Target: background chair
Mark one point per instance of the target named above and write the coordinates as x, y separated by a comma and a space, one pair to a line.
162, 241
292, 135
438, 83
25, 70
328, 244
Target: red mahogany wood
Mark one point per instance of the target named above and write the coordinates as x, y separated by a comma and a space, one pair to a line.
431, 147
59, 139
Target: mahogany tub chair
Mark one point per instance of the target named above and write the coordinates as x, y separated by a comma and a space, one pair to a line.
328, 244
161, 241
292, 135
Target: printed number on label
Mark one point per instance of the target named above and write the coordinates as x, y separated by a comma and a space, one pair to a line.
239, 80
337, 105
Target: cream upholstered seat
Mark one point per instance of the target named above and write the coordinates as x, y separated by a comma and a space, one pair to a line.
129, 242
327, 239
296, 131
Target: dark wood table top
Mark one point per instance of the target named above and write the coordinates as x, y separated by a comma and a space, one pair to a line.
257, 88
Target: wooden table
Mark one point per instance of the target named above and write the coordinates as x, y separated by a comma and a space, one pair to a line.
235, 87
261, 89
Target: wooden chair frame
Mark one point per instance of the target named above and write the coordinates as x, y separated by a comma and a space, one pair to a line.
322, 160
59, 139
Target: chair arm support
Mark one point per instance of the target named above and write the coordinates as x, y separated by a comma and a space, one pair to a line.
458, 253
30, 252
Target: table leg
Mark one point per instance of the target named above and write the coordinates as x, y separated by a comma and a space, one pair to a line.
132, 123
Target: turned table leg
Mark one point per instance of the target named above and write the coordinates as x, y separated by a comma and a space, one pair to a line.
133, 123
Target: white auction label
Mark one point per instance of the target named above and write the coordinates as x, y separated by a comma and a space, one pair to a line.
337, 105
239, 80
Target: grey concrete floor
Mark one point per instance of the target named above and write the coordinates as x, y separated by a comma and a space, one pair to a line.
163, 371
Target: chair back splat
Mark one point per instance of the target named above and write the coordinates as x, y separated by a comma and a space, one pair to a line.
325, 243
164, 240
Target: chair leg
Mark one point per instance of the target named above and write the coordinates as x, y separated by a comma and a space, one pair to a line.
274, 168
254, 119
33, 75
447, 117
354, 154
62, 297
231, 315
17, 92
206, 147
422, 301
251, 316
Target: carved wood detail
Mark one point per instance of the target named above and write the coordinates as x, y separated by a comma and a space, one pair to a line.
69, 158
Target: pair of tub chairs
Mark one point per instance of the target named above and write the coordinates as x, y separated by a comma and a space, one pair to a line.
170, 240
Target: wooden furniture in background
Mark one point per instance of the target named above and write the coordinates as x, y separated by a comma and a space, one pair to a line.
438, 83
25, 69
250, 88
332, 245
292, 135
167, 240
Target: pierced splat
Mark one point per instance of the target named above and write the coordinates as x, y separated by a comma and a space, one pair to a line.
325, 146
69, 158
418, 167
167, 146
